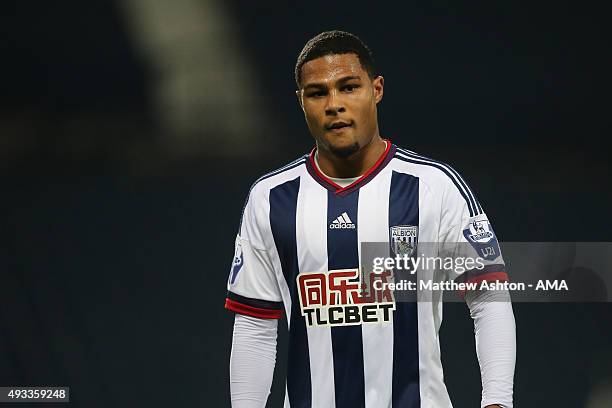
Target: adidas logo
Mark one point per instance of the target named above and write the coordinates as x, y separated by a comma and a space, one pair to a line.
343, 222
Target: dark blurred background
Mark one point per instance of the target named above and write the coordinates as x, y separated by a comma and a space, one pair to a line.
131, 130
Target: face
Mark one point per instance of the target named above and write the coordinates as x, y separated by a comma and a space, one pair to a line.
339, 102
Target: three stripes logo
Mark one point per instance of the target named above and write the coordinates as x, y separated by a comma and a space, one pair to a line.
342, 222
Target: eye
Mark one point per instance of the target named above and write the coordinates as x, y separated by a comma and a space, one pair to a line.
315, 94
350, 87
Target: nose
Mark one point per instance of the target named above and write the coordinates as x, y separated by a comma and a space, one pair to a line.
334, 104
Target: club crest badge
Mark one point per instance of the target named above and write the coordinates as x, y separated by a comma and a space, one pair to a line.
404, 239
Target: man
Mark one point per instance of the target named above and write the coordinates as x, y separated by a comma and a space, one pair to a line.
298, 247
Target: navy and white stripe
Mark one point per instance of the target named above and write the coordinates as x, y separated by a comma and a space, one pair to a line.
347, 343
404, 210
411, 157
378, 340
288, 166
394, 353
288, 215
311, 235
283, 209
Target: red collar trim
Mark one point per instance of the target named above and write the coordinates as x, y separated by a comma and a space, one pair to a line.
367, 176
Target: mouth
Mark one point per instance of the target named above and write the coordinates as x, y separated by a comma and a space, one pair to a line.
338, 126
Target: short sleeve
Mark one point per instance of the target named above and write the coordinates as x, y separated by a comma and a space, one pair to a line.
467, 235
252, 288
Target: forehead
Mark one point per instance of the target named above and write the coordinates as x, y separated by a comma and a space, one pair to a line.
329, 68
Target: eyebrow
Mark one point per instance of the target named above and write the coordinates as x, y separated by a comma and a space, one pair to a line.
341, 80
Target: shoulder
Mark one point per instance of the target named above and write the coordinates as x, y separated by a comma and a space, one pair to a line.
439, 177
262, 186
256, 204
433, 171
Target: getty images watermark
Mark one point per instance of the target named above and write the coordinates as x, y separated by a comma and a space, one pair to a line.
433, 272
459, 265
530, 272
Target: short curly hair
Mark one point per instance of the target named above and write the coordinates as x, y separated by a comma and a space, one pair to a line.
334, 42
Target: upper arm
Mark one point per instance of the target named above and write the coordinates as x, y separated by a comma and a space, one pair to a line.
466, 232
252, 285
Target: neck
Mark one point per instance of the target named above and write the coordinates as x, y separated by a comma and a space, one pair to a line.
354, 165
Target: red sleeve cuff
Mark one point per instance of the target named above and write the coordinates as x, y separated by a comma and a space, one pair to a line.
241, 308
489, 277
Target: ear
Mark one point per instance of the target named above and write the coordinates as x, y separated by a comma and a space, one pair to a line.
379, 84
298, 93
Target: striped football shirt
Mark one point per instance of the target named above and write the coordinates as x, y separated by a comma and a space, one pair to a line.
298, 251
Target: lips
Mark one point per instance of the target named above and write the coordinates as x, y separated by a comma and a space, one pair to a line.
338, 125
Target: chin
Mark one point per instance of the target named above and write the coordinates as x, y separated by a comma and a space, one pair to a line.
344, 151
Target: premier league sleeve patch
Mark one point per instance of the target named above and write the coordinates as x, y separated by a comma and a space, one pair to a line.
236, 263
481, 237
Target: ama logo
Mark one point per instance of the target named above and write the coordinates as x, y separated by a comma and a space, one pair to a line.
237, 263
